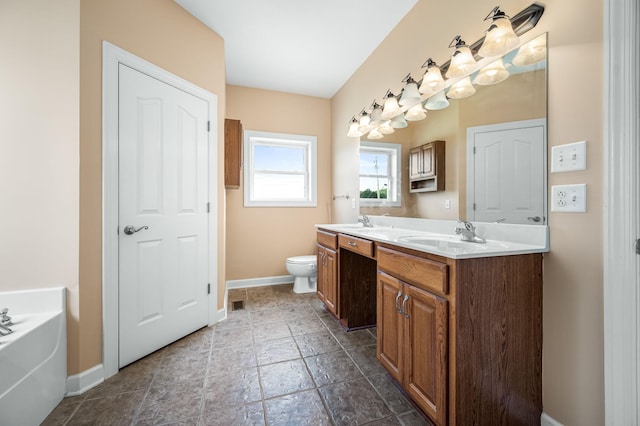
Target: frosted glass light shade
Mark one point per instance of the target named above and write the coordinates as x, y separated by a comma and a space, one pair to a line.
499, 39
462, 89
391, 108
376, 116
462, 63
493, 73
353, 130
432, 81
385, 128
532, 52
437, 101
374, 134
363, 126
415, 113
399, 122
410, 95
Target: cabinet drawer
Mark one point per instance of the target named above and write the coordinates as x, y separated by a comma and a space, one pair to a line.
327, 239
423, 273
355, 244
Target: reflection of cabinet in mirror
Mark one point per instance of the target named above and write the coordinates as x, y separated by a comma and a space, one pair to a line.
427, 167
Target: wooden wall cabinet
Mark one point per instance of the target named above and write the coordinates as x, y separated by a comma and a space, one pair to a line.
327, 275
232, 153
427, 167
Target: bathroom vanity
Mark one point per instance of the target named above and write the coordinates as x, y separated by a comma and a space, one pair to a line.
459, 324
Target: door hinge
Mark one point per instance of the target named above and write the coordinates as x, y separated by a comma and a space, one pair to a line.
638, 246
208, 207
474, 207
208, 126
208, 288
474, 150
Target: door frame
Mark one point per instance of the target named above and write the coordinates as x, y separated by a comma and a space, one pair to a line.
509, 125
112, 56
621, 266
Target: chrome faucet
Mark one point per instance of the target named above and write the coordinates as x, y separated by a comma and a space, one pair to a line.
365, 221
4, 318
4, 330
468, 233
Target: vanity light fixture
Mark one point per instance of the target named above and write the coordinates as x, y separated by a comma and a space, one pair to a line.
493, 73
461, 89
462, 61
437, 101
415, 113
353, 128
432, 81
500, 36
390, 106
410, 95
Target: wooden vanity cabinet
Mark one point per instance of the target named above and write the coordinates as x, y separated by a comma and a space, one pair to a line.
356, 282
466, 344
327, 275
413, 330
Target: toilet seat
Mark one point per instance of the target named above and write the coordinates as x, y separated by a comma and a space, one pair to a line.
302, 259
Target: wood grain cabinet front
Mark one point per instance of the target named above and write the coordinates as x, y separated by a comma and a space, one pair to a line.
327, 275
232, 153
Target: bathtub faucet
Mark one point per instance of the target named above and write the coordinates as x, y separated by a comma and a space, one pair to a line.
4, 318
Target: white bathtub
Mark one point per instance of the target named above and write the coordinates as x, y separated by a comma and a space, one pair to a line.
33, 359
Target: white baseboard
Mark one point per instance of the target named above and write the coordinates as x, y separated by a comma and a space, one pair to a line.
260, 282
547, 420
84, 381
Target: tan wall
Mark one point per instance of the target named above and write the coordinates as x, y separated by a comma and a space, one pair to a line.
260, 239
573, 390
39, 143
164, 34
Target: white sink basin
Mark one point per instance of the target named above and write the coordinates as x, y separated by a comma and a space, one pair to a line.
452, 243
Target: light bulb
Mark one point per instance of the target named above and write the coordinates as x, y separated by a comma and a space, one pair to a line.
432, 80
415, 113
462, 62
493, 73
462, 89
532, 52
500, 37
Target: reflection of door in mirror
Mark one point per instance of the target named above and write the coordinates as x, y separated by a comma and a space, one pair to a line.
505, 173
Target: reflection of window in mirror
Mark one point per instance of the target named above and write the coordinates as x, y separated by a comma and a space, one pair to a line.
380, 173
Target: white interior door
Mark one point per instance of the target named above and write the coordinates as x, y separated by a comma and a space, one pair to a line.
163, 169
506, 179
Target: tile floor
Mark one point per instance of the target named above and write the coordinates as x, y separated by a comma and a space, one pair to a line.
282, 360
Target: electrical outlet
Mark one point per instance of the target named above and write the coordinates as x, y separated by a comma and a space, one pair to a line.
569, 157
447, 204
569, 198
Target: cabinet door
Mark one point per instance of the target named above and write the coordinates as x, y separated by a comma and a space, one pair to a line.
415, 163
232, 153
331, 284
321, 286
390, 324
428, 160
426, 340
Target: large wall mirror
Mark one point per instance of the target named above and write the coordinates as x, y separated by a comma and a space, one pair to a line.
504, 179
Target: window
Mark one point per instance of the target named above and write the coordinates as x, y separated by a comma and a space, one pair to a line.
380, 173
280, 170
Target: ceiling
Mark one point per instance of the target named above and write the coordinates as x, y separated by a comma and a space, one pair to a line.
296, 46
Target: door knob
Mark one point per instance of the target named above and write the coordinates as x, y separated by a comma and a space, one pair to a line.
130, 230
534, 218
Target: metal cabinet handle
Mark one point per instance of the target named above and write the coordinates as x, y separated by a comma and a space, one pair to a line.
352, 243
406, 314
534, 218
398, 298
130, 230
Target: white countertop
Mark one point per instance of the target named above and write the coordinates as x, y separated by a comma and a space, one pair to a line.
438, 236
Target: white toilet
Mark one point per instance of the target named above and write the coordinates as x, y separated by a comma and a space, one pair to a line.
304, 269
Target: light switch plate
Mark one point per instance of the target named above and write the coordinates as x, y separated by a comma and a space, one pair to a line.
569, 198
569, 157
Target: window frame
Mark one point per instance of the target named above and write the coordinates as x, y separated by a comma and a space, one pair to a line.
308, 143
394, 190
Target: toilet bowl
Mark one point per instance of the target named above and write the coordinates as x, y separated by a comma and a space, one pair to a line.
303, 269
